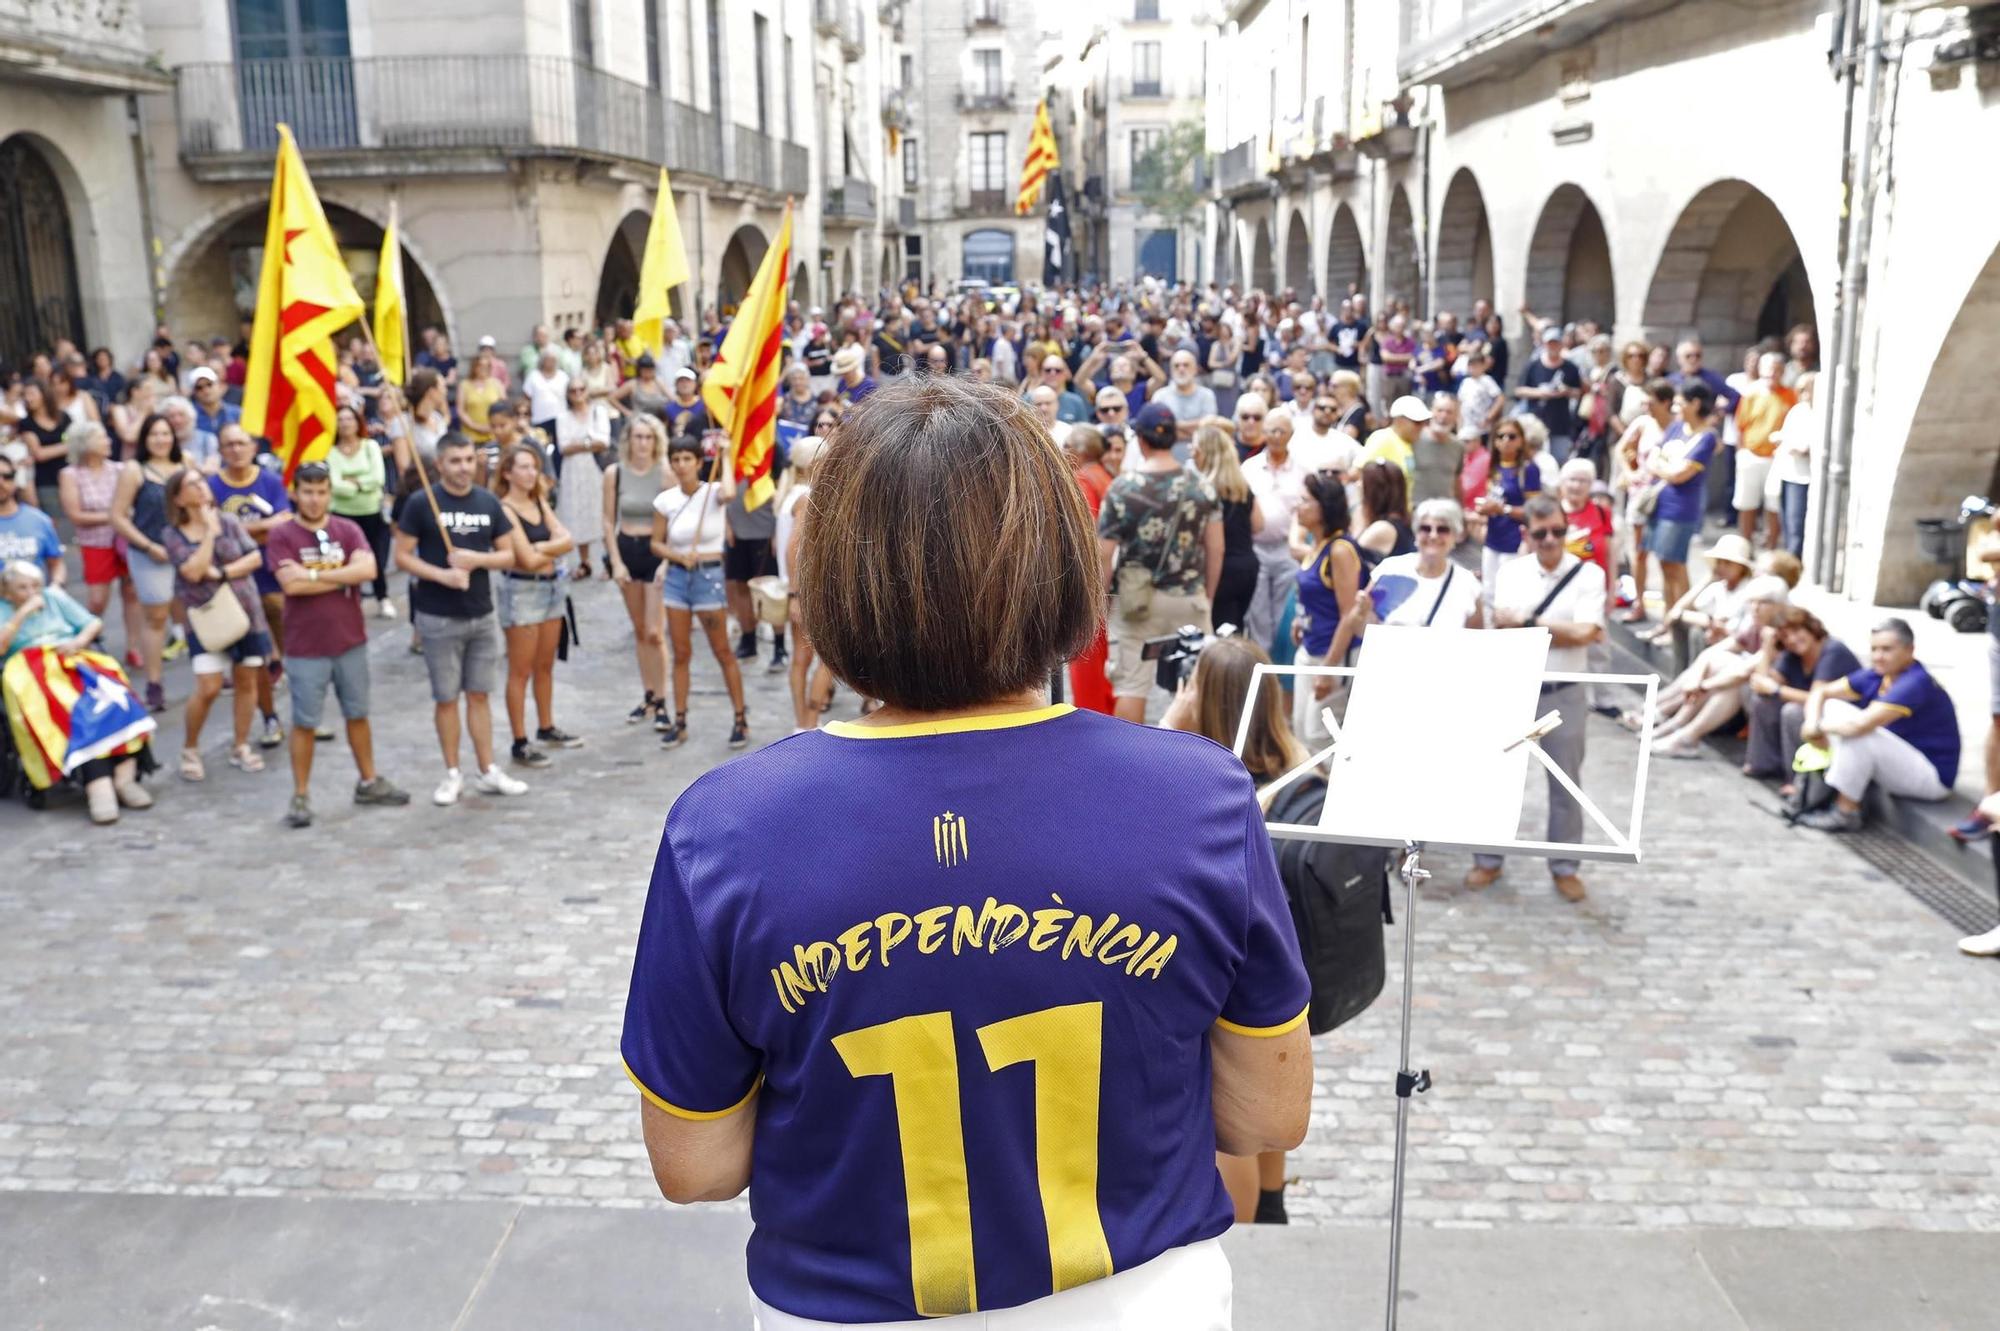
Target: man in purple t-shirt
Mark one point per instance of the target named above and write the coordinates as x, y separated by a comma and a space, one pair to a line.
1891, 725
322, 562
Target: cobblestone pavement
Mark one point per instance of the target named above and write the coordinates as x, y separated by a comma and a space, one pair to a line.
1752, 1029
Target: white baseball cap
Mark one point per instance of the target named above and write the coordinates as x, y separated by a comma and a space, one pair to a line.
199, 373
1409, 408
488, 341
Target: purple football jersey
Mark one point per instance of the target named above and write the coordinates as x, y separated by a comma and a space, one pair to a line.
973, 966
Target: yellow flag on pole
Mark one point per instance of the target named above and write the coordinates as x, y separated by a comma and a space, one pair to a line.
664, 267
741, 391
1042, 158
391, 313
304, 297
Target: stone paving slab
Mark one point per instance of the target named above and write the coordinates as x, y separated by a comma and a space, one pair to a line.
260, 1264
1753, 1029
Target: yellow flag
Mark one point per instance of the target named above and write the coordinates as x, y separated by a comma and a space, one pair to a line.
664, 267
741, 390
304, 297
1042, 158
391, 319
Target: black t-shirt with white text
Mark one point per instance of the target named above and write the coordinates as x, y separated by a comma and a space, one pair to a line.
476, 521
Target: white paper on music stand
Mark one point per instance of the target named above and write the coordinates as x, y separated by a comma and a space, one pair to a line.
1424, 752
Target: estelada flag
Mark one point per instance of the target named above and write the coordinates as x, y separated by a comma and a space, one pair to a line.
304, 297
741, 390
664, 267
392, 320
1042, 159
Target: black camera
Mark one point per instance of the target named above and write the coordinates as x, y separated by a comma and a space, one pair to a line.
1174, 655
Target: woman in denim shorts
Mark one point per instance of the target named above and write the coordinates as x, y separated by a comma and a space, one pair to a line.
688, 536
212, 555
531, 603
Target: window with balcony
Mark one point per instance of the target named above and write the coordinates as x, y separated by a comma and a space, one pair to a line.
986, 169
290, 29
791, 134
1145, 69
985, 11
582, 33
909, 163
906, 72
656, 55
1146, 11
986, 82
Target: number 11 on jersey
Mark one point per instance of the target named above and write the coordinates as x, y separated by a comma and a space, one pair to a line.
919, 1057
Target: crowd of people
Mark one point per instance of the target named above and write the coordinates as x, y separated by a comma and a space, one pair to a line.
1293, 469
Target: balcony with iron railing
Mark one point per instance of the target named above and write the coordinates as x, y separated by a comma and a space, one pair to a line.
1453, 42
842, 20
985, 201
95, 48
985, 97
416, 115
1144, 88
1241, 166
848, 200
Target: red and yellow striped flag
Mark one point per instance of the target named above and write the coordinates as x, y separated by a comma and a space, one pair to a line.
741, 390
1042, 159
304, 297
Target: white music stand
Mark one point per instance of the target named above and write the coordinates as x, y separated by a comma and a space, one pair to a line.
1434, 755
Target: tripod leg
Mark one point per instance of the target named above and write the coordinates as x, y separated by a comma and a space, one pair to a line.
1407, 1082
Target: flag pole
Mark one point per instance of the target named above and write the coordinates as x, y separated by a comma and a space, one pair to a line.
409, 428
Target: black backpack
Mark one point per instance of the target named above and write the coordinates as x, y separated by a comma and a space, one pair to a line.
1339, 895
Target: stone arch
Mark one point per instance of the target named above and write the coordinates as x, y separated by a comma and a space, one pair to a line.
1950, 450
1222, 254
801, 285
1402, 271
1263, 273
1462, 268
41, 296
1346, 256
618, 276
847, 274
740, 258
1731, 271
1569, 261
212, 279
1298, 258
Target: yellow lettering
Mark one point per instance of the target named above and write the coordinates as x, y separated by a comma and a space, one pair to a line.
794, 983
894, 927
854, 946
930, 928
1157, 961
1010, 922
1082, 939
1117, 940
965, 928
1048, 928
1139, 952
818, 963
779, 985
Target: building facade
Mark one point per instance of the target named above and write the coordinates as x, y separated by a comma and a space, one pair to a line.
982, 64
73, 246
1536, 153
1149, 82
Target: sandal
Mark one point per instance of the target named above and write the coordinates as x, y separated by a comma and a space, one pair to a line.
191, 766
246, 759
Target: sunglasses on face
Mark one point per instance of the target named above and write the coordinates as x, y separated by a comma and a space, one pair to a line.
1433, 529
1545, 533
1112, 409
1506, 434
1250, 418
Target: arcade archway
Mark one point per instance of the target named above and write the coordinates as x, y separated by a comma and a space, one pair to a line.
1732, 272
1569, 261
1464, 263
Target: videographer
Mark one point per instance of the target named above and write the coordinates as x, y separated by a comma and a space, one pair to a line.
1160, 527
1004, 1028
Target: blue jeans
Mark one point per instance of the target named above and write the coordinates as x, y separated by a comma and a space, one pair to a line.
1792, 497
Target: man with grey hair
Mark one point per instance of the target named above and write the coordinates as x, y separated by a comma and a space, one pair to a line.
1048, 407
198, 447
1891, 725
1191, 401
1438, 453
1251, 414
1277, 478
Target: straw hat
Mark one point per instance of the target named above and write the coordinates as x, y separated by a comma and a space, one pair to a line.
1733, 549
848, 359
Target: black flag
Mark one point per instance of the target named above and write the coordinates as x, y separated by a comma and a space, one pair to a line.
1056, 258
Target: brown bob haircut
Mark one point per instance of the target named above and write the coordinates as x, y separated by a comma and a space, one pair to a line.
946, 557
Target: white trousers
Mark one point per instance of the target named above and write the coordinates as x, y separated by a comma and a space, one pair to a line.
1879, 757
1183, 1289
1277, 575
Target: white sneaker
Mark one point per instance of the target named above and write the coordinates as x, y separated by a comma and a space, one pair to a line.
447, 789
493, 781
1981, 945
386, 609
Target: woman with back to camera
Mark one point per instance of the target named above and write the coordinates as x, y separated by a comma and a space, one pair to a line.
1385, 513
1047, 1101
631, 484
1215, 459
1211, 704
